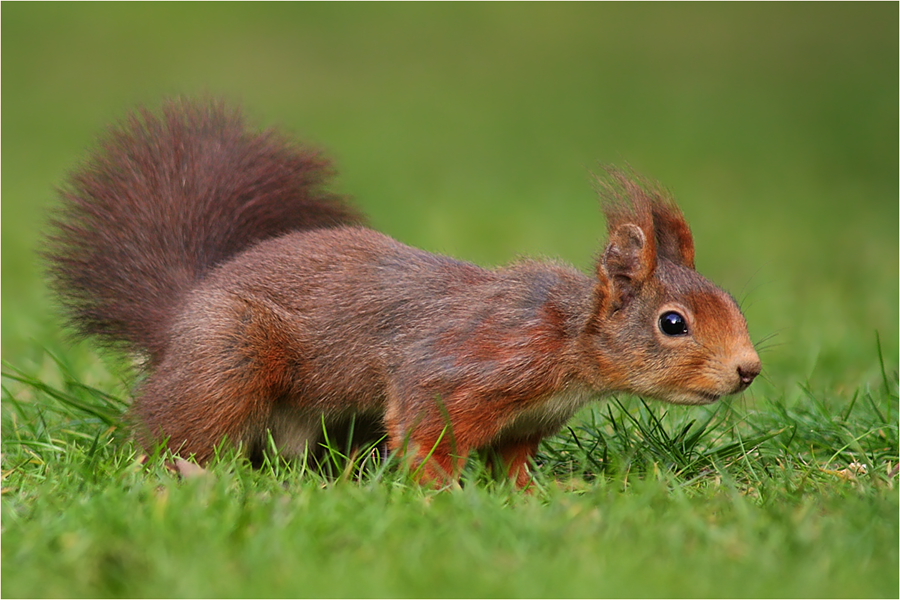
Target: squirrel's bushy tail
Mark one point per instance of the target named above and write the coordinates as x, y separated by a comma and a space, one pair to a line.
164, 198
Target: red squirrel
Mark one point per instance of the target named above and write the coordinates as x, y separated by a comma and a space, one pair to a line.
263, 305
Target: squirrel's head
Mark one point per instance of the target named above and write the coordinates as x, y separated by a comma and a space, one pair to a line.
658, 327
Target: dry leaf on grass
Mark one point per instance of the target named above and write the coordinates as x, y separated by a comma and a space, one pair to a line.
186, 469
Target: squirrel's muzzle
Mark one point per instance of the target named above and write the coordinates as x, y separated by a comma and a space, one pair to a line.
748, 367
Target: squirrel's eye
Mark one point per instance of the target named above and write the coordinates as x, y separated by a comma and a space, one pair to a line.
673, 323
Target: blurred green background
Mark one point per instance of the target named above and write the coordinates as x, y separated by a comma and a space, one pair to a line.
471, 129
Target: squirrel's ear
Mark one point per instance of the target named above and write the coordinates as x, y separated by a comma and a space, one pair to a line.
673, 235
628, 261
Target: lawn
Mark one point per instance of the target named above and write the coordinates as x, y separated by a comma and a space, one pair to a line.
472, 130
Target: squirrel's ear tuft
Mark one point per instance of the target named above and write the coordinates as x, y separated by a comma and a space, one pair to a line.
627, 262
673, 235
629, 198
630, 255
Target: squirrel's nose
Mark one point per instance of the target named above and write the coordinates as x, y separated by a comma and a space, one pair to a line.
748, 370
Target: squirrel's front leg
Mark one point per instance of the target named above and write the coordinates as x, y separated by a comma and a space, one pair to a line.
440, 461
515, 457
436, 455
439, 436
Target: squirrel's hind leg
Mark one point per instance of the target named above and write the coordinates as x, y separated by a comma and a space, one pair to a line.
226, 370
194, 412
194, 409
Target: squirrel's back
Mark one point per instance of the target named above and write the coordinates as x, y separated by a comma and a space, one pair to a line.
164, 198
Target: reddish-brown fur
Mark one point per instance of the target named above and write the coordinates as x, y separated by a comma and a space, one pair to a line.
265, 307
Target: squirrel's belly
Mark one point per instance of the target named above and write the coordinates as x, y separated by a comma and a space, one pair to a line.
547, 416
298, 432
295, 432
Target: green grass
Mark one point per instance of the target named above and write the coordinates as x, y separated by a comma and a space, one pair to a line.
698, 498
470, 130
